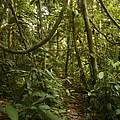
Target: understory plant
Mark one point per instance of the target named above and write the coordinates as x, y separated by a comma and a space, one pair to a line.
37, 96
42, 97
105, 97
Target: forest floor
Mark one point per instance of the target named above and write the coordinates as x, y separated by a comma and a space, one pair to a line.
76, 106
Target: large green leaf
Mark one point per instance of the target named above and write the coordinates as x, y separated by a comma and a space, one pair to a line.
101, 75
11, 111
44, 107
48, 115
118, 112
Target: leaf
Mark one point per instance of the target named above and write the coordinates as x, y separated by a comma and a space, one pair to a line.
11, 111
49, 74
109, 106
116, 64
68, 92
89, 93
118, 112
47, 114
51, 116
39, 94
113, 83
101, 75
92, 55
32, 2
44, 107
117, 87
34, 108
38, 101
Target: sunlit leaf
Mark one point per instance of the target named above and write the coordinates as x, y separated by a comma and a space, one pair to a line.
68, 92
89, 93
101, 75
12, 112
45, 107
118, 112
49, 74
117, 87
32, 2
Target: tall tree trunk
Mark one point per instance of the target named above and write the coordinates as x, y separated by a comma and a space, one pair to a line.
58, 46
92, 64
82, 74
10, 38
39, 27
71, 39
67, 56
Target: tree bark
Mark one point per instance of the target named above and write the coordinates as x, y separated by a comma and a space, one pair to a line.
92, 60
81, 70
39, 27
67, 57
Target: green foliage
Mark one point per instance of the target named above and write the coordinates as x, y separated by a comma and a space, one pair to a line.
33, 83
40, 97
36, 94
105, 97
11, 111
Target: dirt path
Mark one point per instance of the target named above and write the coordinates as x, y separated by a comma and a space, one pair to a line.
76, 107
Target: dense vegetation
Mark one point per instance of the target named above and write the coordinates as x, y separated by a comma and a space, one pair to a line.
53, 52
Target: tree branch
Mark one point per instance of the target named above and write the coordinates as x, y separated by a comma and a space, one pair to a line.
108, 14
113, 43
51, 33
92, 59
18, 25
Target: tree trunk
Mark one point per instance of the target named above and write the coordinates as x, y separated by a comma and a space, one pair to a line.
82, 74
92, 60
67, 56
39, 27
10, 38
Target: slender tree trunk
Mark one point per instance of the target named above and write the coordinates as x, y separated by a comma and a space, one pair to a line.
82, 74
10, 32
93, 65
57, 37
67, 56
71, 39
10, 38
39, 27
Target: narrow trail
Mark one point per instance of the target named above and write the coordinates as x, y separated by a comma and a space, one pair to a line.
76, 106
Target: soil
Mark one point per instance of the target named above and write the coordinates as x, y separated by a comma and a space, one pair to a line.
77, 106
